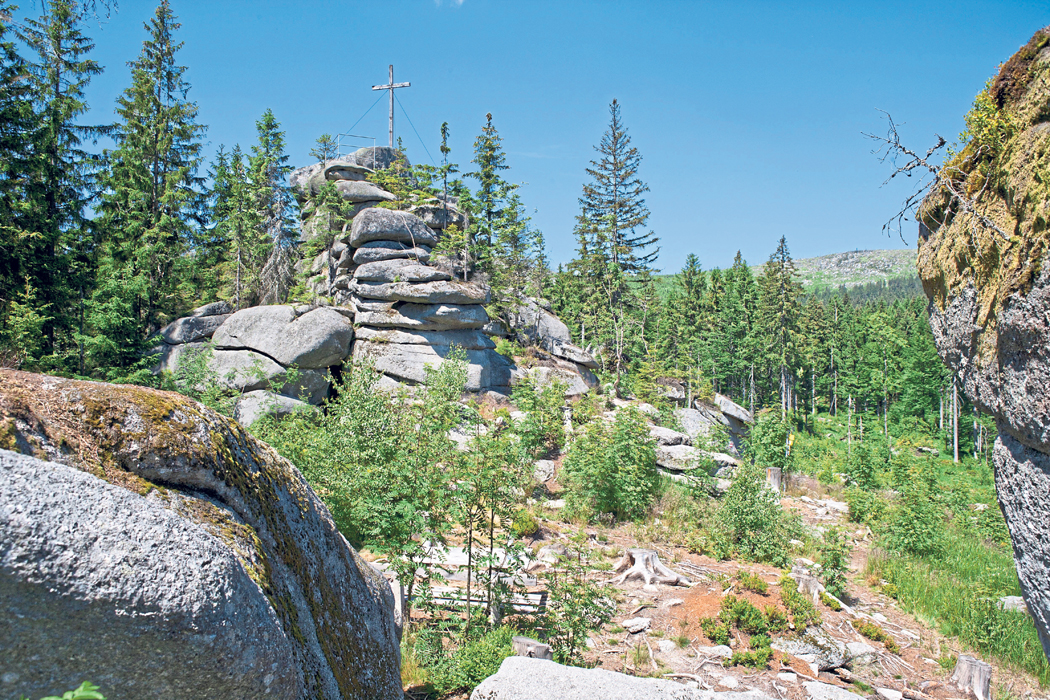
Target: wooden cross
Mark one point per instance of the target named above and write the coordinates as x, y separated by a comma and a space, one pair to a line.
391, 86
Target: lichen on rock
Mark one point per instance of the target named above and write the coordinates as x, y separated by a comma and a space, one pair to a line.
990, 295
335, 612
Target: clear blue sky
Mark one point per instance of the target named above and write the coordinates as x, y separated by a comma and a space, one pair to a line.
748, 114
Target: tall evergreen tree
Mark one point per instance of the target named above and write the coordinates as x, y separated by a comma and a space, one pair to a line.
153, 201
18, 123
275, 209
612, 204
490, 197
779, 314
61, 177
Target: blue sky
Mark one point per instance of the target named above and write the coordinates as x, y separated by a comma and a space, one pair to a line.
748, 114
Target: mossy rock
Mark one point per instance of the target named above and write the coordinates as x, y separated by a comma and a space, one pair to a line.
334, 611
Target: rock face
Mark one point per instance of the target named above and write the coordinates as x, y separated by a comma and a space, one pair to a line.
990, 320
204, 567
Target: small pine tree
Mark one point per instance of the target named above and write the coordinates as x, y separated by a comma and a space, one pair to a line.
325, 149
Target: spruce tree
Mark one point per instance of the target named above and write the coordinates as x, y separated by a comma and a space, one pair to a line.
237, 223
275, 209
492, 191
60, 178
18, 123
325, 149
153, 201
612, 204
778, 314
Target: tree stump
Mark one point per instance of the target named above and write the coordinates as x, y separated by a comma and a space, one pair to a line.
530, 648
974, 676
645, 564
774, 478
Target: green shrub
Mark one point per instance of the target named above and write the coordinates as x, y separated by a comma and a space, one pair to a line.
752, 582
865, 507
767, 444
915, 524
830, 602
543, 428
86, 691
715, 629
803, 613
740, 613
476, 660
776, 619
877, 634
575, 606
612, 468
524, 524
750, 523
756, 658
834, 558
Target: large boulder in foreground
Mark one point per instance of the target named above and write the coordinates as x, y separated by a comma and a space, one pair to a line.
522, 678
990, 303
153, 546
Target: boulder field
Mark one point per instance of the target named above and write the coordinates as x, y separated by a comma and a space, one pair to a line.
989, 296
154, 547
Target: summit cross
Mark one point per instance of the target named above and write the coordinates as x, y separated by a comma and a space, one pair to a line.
391, 86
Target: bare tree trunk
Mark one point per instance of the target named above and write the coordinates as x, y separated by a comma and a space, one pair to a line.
955, 420
849, 427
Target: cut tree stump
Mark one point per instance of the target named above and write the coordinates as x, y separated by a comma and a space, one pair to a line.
974, 676
645, 564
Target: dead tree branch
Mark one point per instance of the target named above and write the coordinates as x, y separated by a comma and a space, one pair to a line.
931, 176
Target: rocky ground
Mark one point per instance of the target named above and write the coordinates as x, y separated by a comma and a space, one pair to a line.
676, 647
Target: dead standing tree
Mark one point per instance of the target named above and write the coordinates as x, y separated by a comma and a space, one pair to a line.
948, 176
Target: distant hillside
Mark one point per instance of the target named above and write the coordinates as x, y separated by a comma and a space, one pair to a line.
852, 269
869, 275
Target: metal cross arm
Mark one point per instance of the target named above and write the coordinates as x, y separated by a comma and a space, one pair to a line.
391, 86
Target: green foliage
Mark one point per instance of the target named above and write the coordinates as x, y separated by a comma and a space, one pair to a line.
474, 661
715, 629
865, 507
756, 658
575, 606
24, 321
875, 633
542, 429
151, 202
380, 460
829, 601
740, 613
767, 443
752, 582
915, 524
803, 613
776, 619
524, 523
750, 523
834, 560
508, 348
86, 691
612, 468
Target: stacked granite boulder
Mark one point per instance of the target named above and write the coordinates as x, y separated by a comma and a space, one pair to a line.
409, 313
